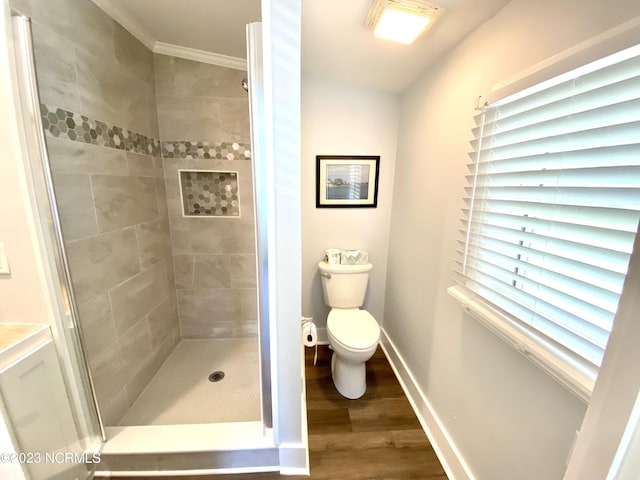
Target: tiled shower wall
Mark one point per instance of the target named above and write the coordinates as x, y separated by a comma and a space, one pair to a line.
203, 115
96, 82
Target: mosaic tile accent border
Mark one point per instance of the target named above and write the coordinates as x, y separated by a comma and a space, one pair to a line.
204, 150
80, 128
209, 193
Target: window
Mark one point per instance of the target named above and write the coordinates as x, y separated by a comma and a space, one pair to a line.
551, 214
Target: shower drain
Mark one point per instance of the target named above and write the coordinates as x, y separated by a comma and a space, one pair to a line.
216, 376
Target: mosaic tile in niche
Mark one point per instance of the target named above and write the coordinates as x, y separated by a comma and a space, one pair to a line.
209, 193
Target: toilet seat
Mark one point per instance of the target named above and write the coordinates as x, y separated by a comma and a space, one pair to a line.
353, 329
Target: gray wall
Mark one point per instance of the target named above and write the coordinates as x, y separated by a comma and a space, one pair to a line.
508, 419
108, 178
342, 120
203, 114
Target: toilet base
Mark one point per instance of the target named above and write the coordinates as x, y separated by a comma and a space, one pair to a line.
349, 378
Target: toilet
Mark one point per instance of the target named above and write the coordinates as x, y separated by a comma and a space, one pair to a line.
353, 333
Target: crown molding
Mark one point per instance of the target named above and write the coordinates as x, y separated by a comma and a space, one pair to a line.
200, 56
127, 21
133, 26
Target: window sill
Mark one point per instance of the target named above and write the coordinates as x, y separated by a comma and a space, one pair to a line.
575, 377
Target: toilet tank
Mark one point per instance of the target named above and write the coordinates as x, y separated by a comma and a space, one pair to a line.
344, 286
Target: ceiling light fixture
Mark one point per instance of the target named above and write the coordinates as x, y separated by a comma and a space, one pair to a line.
401, 20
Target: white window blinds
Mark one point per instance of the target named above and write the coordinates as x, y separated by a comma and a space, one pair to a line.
553, 203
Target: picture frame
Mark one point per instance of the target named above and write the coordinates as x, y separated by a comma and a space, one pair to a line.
347, 181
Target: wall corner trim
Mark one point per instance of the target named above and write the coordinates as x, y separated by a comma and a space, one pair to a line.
200, 56
294, 458
129, 23
452, 461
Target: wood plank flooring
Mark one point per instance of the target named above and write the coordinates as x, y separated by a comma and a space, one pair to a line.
376, 437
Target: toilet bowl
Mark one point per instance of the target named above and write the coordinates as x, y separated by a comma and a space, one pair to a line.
353, 336
353, 333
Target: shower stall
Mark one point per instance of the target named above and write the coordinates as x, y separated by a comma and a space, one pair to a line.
152, 191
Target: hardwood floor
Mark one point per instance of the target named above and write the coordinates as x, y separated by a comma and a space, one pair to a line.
376, 437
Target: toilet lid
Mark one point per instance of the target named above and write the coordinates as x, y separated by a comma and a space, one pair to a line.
355, 329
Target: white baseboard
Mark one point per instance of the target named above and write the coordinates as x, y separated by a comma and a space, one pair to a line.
446, 450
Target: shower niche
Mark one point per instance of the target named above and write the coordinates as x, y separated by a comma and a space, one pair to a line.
209, 193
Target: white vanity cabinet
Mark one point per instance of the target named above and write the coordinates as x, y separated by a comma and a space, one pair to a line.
35, 406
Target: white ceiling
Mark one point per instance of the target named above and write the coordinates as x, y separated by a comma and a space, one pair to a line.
335, 43
216, 26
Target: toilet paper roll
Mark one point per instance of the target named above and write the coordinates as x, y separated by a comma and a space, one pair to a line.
309, 334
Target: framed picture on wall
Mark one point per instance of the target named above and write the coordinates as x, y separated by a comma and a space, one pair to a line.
347, 181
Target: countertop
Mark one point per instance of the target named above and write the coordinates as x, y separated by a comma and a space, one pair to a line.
18, 339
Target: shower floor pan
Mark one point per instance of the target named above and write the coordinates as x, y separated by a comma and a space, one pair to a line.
182, 392
183, 423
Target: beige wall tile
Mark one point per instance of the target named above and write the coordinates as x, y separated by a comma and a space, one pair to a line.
184, 267
140, 379
249, 305
109, 374
214, 313
101, 262
140, 165
163, 67
162, 320
171, 277
136, 297
199, 79
90, 64
208, 329
190, 118
75, 204
124, 201
246, 330
142, 114
113, 409
215, 235
211, 271
98, 328
180, 238
48, 13
166, 347
174, 200
235, 119
159, 167
242, 270
133, 57
161, 198
215, 271
93, 30
136, 346
56, 68
75, 157
113, 96
154, 242
105, 94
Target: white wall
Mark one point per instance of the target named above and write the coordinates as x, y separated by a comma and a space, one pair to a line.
507, 418
21, 295
341, 120
280, 145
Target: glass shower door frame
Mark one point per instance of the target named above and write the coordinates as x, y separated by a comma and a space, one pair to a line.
261, 214
66, 329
